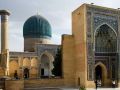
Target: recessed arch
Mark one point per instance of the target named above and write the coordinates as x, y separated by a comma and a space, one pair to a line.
105, 39
26, 62
103, 72
46, 64
34, 62
49, 55
13, 66
107, 25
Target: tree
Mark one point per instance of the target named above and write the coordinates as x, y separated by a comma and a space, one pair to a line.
57, 70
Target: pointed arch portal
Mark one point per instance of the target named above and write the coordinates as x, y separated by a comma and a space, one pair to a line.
46, 65
101, 73
105, 44
105, 39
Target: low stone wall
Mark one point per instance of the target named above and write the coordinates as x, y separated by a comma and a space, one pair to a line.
44, 83
14, 85
35, 83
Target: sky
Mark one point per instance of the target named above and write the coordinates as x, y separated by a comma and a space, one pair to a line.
57, 12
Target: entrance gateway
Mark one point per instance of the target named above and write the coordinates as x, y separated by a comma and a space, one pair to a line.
94, 46
102, 43
105, 47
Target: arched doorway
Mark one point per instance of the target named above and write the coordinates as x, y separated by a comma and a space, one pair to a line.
98, 76
98, 73
101, 73
26, 73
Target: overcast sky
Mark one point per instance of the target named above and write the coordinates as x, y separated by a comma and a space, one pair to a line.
57, 12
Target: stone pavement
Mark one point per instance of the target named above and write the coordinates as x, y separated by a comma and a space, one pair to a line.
96, 89
104, 89
71, 89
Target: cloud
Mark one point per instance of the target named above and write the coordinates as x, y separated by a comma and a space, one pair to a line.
15, 43
15, 36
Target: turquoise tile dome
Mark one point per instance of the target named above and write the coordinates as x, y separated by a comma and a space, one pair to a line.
37, 27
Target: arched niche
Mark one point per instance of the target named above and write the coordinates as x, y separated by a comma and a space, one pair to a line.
105, 39
13, 66
34, 62
46, 64
26, 62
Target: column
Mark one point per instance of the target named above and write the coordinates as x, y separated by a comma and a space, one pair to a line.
4, 41
20, 59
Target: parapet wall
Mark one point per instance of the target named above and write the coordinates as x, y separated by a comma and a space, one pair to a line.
33, 83
44, 83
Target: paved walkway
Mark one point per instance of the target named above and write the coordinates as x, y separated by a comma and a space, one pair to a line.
94, 89
71, 89
104, 89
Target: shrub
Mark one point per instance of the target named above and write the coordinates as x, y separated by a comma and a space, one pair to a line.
82, 88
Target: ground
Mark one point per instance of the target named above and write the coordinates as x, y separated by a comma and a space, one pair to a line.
72, 89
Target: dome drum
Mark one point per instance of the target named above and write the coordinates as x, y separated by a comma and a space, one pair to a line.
36, 30
29, 43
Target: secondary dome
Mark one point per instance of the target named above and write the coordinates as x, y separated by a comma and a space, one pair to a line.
36, 27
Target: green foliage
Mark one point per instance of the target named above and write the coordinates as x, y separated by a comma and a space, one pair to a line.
82, 88
57, 70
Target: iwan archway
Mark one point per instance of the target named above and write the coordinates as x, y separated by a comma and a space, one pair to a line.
105, 39
105, 54
46, 65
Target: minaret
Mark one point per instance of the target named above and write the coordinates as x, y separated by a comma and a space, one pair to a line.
4, 40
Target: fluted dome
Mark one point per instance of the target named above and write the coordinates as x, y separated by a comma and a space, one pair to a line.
36, 27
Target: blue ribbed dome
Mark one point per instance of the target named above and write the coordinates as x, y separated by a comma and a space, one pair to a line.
36, 27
